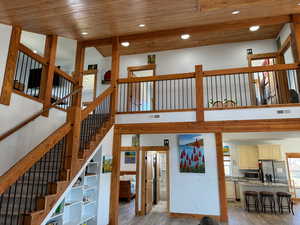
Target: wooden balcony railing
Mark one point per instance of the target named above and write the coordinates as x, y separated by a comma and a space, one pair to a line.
263, 86
174, 92
30, 69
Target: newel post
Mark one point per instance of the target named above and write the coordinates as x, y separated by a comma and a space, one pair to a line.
199, 93
115, 68
74, 115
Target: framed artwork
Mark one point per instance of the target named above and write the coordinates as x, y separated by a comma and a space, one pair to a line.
107, 164
130, 157
191, 153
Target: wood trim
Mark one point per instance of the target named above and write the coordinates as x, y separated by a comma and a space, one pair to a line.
192, 216
158, 78
212, 126
158, 111
64, 74
115, 180
292, 155
199, 93
221, 178
129, 148
143, 186
262, 56
23, 165
97, 42
94, 104
33, 117
29, 52
122, 173
155, 148
88, 72
251, 69
132, 69
137, 184
256, 107
51, 46
11, 61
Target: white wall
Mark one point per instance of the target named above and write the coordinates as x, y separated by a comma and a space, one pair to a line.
212, 57
283, 35
105, 181
20, 108
189, 192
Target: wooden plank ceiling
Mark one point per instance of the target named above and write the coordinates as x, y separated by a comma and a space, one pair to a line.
107, 18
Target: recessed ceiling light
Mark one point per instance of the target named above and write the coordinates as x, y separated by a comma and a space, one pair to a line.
84, 33
236, 12
35, 51
254, 28
125, 44
298, 3
142, 25
185, 36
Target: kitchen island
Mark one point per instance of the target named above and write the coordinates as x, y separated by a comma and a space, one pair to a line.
258, 186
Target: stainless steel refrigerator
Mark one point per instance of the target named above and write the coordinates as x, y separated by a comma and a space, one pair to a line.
273, 171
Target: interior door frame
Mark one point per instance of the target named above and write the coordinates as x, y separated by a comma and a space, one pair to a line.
291, 156
158, 149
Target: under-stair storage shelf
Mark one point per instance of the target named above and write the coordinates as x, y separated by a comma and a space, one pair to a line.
81, 201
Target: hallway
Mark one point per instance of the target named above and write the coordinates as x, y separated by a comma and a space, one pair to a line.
237, 216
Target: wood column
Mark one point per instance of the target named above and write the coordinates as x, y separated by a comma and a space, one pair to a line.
11, 62
115, 177
74, 115
221, 178
199, 93
115, 69
48, 71
296, 41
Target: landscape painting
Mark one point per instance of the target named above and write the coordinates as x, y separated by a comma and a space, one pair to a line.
191, 153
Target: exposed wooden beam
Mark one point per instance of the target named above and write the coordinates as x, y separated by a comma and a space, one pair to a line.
199, 93
218, 27
10, 68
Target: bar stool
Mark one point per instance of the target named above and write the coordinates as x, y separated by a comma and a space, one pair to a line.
267, 201
282, 198
251, 200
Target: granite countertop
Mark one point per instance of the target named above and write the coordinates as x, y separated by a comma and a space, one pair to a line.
261, 184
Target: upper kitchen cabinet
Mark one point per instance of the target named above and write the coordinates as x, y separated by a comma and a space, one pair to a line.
269, 152
248, 157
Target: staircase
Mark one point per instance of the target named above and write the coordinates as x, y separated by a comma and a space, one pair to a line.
31, 197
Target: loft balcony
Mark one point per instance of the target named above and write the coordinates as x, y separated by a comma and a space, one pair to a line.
249, 93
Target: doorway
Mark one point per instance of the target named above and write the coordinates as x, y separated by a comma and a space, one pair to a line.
155, 176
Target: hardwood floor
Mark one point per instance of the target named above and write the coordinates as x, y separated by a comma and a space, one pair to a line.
237, 216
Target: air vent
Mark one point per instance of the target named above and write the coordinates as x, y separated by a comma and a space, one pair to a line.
286, 111
155, 116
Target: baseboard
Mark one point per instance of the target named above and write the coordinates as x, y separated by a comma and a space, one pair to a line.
193, 216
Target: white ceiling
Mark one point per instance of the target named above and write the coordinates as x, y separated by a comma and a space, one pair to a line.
259, 137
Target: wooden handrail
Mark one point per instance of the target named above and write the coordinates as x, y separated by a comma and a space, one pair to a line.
64, 74
24, 164
253, 69
33, 117
157, 78
85, 112
33, 55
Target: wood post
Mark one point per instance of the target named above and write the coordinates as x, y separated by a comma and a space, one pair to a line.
221, 178
115, 176
199, 93
48, 71
74, 115
115, 68
11, 62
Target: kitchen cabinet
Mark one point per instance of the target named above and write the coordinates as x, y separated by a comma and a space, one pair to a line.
269, 152
248, 157
230, 190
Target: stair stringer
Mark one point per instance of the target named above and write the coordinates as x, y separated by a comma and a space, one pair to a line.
75, 179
